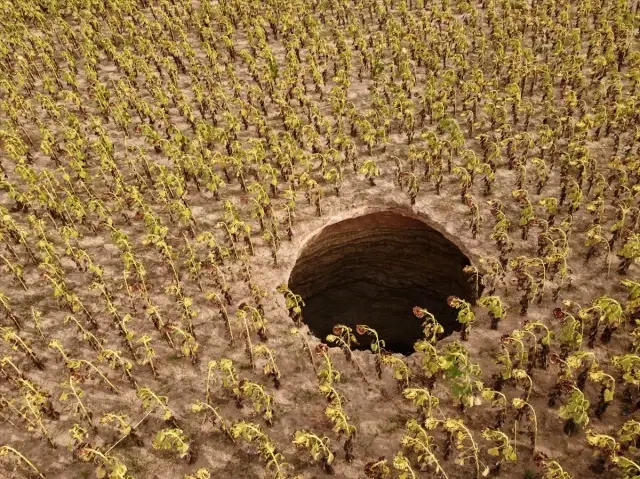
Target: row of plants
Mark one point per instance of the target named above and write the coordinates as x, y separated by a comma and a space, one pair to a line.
122, 121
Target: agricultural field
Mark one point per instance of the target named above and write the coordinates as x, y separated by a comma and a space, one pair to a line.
319, 238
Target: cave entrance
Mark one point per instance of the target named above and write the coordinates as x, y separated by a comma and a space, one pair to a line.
373, 269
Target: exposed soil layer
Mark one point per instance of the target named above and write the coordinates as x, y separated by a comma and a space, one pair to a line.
373, 270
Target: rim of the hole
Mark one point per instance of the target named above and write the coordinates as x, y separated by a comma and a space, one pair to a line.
368, 210
421, 216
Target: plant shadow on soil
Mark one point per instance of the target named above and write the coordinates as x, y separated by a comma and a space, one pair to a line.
373, 269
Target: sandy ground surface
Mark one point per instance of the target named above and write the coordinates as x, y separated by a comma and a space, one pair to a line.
375, 406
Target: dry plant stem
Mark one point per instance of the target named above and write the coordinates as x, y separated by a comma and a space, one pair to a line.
85, 413
9, 421
221, 421
45, 433
22, 345
104, 378
249, 345
307, 349
23, 459
224, 313
127, 287
7, 361
22, 415
310, 354
12, 251
352, 359
15, 272
133, 428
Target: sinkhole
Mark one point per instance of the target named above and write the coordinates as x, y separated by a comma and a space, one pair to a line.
373, 269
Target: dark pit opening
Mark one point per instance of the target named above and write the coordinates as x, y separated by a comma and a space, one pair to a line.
373, 269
